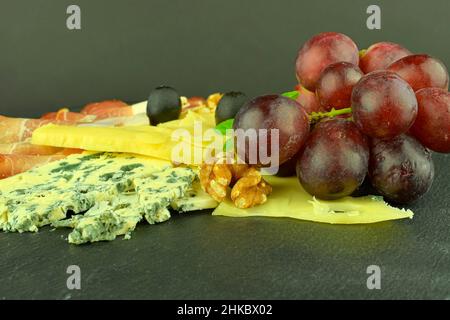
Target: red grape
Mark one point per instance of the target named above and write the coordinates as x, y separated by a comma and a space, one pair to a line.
432, 125
421, 71
287, 169
319, 52
380, 55
401, 169
271, 112
383, 105
335, 159
335, 85
308, 100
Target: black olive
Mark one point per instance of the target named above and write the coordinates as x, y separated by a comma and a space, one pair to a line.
163, 105
229, 105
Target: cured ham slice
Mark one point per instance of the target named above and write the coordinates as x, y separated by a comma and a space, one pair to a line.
66, 115
26, 148
13, 164
19, 129
18, 155
108, 109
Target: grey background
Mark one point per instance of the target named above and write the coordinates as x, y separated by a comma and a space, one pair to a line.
124, 49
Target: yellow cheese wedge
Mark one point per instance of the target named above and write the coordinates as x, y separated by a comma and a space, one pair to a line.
187, 121
290, 200
154, 141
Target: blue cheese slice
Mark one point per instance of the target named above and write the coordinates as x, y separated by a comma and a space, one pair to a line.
120, 215
157, 191
43, 195
115, 192
194, 199
105, 220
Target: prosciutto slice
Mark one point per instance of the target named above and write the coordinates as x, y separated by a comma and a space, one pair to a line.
19, 129
26, 148
66, 115
12, 164
108, 109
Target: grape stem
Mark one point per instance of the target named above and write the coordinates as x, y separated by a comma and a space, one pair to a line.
316, 116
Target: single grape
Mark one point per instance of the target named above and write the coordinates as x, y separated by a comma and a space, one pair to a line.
287, 169
432, 125
308, 100
401, 169
380, 55
319, 52
270, 112
334, 160
421, 71
383, 105
335, 85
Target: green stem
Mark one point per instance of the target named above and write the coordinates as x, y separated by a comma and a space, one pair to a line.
316, 116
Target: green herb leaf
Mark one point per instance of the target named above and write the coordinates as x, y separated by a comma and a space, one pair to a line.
291, 94
224, 126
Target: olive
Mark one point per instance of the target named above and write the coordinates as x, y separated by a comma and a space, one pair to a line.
164, 104
229, 105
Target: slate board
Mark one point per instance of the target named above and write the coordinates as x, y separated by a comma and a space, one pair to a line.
124, 50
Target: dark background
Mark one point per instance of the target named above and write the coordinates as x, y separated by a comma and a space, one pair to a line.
126, 48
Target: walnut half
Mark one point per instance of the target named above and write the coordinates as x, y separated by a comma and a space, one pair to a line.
215, 179
250, 190
248, 187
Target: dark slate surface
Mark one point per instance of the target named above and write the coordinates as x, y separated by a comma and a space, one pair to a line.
124, 49
199, 256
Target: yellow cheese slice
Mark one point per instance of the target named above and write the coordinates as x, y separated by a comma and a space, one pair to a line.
290, 200
188, 120
153, 141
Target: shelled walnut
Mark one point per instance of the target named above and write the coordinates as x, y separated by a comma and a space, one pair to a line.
248, 188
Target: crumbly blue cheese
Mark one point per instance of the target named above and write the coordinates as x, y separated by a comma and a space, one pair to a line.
194, 199
105, 220
45, 194
114, 190
157, 191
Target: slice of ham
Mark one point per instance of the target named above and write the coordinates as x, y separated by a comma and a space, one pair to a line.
12, 164
26, 148
18, 155
108, 109
194, 102
19, 129
13, 130
66, 115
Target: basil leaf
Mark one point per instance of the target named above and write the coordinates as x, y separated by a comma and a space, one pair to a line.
291, 94
224, 126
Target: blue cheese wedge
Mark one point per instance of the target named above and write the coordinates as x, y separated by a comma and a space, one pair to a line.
105, 220
43, 195
157, 191
194, 199
108, 194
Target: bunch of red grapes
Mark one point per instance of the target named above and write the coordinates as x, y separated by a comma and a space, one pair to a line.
398, 110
